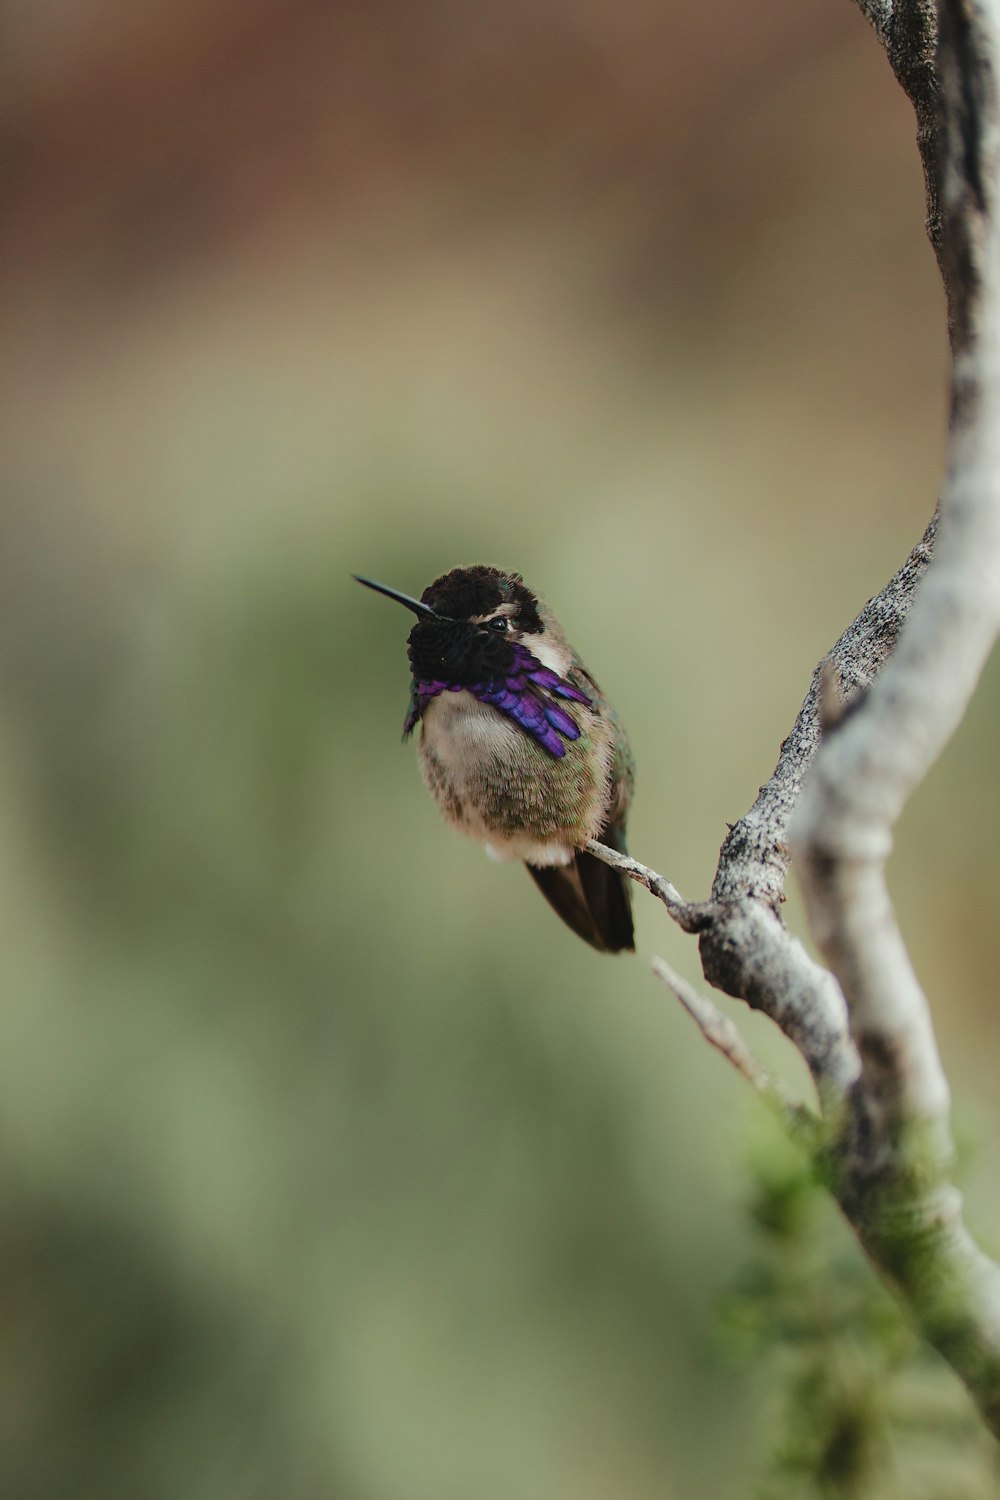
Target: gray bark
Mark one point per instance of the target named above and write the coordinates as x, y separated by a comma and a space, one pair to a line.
881, 706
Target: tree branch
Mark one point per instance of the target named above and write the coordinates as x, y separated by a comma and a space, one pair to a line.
747, 951
881, 706
798, 1120
895, 1157
907, 30
688, 915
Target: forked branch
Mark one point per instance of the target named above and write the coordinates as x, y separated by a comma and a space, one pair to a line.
882, 704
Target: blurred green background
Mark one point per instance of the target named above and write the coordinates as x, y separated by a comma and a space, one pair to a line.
332, 1165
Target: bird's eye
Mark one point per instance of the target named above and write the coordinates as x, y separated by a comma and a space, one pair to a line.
500, 623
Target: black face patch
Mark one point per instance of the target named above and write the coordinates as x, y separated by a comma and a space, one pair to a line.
465, 592
454, 651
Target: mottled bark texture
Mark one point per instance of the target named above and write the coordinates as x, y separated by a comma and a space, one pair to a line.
881, 706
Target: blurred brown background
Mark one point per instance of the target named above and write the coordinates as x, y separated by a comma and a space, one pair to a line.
332, 1165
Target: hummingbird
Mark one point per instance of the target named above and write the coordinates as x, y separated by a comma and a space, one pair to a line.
518, 746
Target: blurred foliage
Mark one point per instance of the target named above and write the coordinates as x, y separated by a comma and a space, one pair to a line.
285, 1213
861, 1408
331, 1166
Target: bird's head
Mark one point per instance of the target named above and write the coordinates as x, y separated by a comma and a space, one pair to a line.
469, 622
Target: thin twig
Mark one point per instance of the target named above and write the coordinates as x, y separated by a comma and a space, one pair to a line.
725, 1036
778, 976
690, 916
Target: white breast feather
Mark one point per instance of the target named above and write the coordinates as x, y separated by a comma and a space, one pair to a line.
464, 736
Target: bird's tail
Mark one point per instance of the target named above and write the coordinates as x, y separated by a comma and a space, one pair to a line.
590, 897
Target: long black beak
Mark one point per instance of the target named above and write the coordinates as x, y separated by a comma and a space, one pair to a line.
415, 605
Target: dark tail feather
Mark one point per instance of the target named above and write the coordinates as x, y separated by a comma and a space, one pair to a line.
609, 897
591, 898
